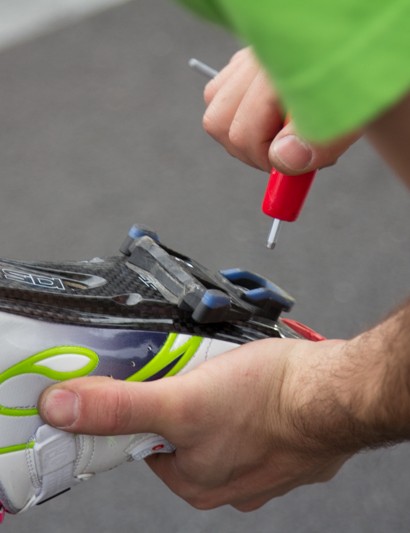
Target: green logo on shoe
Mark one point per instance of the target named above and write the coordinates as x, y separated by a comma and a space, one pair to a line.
58, 364
169, 358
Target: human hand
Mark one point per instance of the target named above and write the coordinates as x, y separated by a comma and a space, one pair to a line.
244, 115
248, 426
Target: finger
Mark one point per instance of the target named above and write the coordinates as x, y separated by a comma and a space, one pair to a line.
213, 86
186, 487
194, 493
246, 500
253, 504
222, 108
244, 494
165, 467
104, 406
291, 154
322, 473
256, 122
248, 505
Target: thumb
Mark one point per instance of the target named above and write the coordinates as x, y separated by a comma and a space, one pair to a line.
291, 154
104, 406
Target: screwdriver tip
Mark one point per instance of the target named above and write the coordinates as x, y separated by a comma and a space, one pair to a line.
273, 234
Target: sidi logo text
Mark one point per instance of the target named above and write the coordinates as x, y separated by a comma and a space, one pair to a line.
44, 282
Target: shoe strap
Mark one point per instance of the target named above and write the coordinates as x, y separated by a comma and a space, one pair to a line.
53, 457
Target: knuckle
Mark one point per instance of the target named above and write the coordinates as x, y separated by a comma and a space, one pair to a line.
247, 507
207, 123
202, 503
209, 92
239, 55
237, 135
212, 127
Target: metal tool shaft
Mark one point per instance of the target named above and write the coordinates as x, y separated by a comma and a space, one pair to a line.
202, 68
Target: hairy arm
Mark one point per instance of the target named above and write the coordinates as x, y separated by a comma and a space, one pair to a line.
383, 379
359, 397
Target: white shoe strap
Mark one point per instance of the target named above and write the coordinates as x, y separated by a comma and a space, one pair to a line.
54, 457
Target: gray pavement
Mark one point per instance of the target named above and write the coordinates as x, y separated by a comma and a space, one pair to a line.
25, 19
101, 127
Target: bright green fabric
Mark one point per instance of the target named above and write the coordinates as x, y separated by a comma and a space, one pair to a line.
336, 65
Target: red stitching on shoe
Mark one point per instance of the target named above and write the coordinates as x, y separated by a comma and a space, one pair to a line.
303, 330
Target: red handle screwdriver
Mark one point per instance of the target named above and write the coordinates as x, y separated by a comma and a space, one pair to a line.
285, 195
284, 199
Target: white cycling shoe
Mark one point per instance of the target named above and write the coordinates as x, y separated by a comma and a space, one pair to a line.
146, 314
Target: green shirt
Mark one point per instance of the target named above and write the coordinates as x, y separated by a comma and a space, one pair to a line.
336, 64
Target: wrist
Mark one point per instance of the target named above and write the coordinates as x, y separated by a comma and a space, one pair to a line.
320, 401
336, 391
355, 394
382, 380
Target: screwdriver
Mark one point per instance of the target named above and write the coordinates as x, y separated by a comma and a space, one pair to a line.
284, 195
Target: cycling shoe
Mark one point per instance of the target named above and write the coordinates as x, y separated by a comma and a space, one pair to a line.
145, 314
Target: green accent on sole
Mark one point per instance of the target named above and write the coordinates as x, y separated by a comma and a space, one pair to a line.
166, 356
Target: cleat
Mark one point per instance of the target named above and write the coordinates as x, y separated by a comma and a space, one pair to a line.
144, 314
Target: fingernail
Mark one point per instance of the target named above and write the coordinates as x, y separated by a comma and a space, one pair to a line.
292, 152
60, 408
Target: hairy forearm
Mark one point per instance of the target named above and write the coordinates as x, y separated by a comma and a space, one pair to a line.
357, 394
385, 378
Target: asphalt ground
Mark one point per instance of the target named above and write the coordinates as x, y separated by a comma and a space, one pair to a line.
24, 20
101, 128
